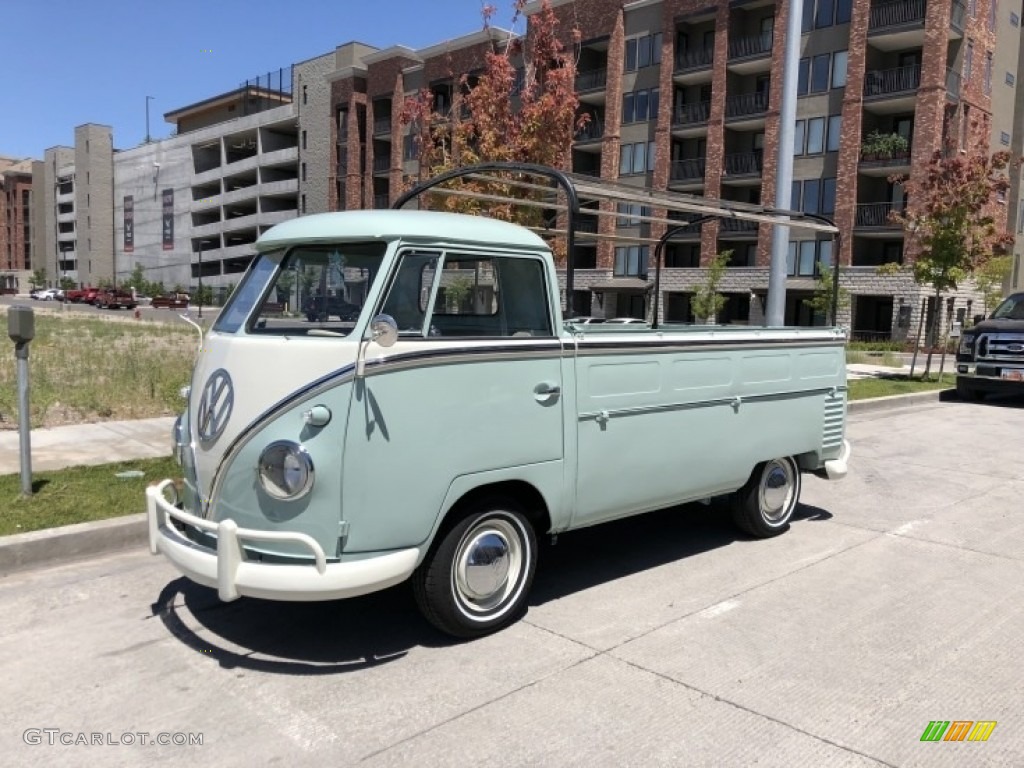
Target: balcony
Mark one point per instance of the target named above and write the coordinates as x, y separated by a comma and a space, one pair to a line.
690, 119
896, 25
688, 173
892, 90
381, 201
381, 163
750, 108
743, 166
885, 164
952, 86
591, 133
590, 85
878, 216
693, 67
382, 127
751, 53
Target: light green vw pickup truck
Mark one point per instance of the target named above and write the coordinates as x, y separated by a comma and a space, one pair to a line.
449, 416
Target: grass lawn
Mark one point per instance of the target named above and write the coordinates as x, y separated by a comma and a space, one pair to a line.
78, 495
84, 369
862, 389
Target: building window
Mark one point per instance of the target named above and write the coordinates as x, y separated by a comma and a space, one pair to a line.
1014, 19
304, 94
825, 13
304, 135
631, 261
1004, 138
636, 158
835, 126
820, 73
630, 213
303, 203
798, 137
643, 52
1010, 79
303, 171
804, 256
815, 135
814, 196
640, 106
839, 59
968, 61
988, 73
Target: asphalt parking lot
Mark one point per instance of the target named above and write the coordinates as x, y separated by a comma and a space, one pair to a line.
147, 312
670, 639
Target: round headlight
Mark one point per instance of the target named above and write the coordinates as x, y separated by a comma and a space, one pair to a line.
285, 470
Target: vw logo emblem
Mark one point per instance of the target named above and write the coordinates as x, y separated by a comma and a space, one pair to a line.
215, 407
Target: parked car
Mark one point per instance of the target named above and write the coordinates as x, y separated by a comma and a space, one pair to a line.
990, 357
587, 320
115, 298
170, 301
626, 321
49, 294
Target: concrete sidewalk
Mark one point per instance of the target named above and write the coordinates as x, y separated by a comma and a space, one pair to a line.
89, 444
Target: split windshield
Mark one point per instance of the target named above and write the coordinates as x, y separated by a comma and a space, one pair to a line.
312, 291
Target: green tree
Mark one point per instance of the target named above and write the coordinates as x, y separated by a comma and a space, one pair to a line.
707, 302
137, 279
66, 283
821, 302
203, 297
990, 278
950, 217
38, 278
456, 292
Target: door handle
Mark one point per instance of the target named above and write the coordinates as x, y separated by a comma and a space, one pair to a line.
547, 389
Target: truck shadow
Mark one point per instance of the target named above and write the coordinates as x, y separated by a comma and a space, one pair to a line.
350, 635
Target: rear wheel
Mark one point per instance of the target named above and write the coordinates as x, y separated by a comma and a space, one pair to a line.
477, 577
764, 506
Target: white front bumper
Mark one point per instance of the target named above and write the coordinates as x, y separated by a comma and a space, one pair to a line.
836, 469
227, 570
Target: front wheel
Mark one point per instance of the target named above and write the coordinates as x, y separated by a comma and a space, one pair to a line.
476, 579
765, 504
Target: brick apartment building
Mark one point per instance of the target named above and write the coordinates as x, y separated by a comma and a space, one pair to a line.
15, 223
685, 95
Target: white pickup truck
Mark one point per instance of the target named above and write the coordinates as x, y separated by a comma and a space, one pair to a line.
456, 416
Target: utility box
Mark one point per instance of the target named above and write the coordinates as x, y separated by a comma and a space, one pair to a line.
21, 324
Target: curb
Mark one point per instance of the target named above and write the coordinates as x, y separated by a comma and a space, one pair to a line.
54, 546
873, 404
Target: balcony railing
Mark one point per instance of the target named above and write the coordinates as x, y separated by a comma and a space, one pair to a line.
691, 169
691, 114
743, 163
381, 201
738, 225
591, 80
698, 58
750, 46
896, 13
381, 163
956, 16
592, 131
746, 104
877, 214
382, 125
876, 160
586, 224
889, 82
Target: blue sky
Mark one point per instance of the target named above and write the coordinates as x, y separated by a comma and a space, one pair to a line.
68, 62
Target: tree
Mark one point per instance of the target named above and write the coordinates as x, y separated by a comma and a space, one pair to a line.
38, 278
503, 115
66, 284
950, 218
707, 302
821, 302
990, 278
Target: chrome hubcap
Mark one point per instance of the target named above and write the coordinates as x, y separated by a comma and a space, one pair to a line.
488, 566
777, 487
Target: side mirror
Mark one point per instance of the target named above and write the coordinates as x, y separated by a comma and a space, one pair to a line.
384, 330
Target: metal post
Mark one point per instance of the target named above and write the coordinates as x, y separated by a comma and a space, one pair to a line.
199, 297
775, 311
24, 422
148, 99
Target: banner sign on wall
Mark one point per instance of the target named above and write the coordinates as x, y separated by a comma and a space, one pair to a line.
168, 220
129, 223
